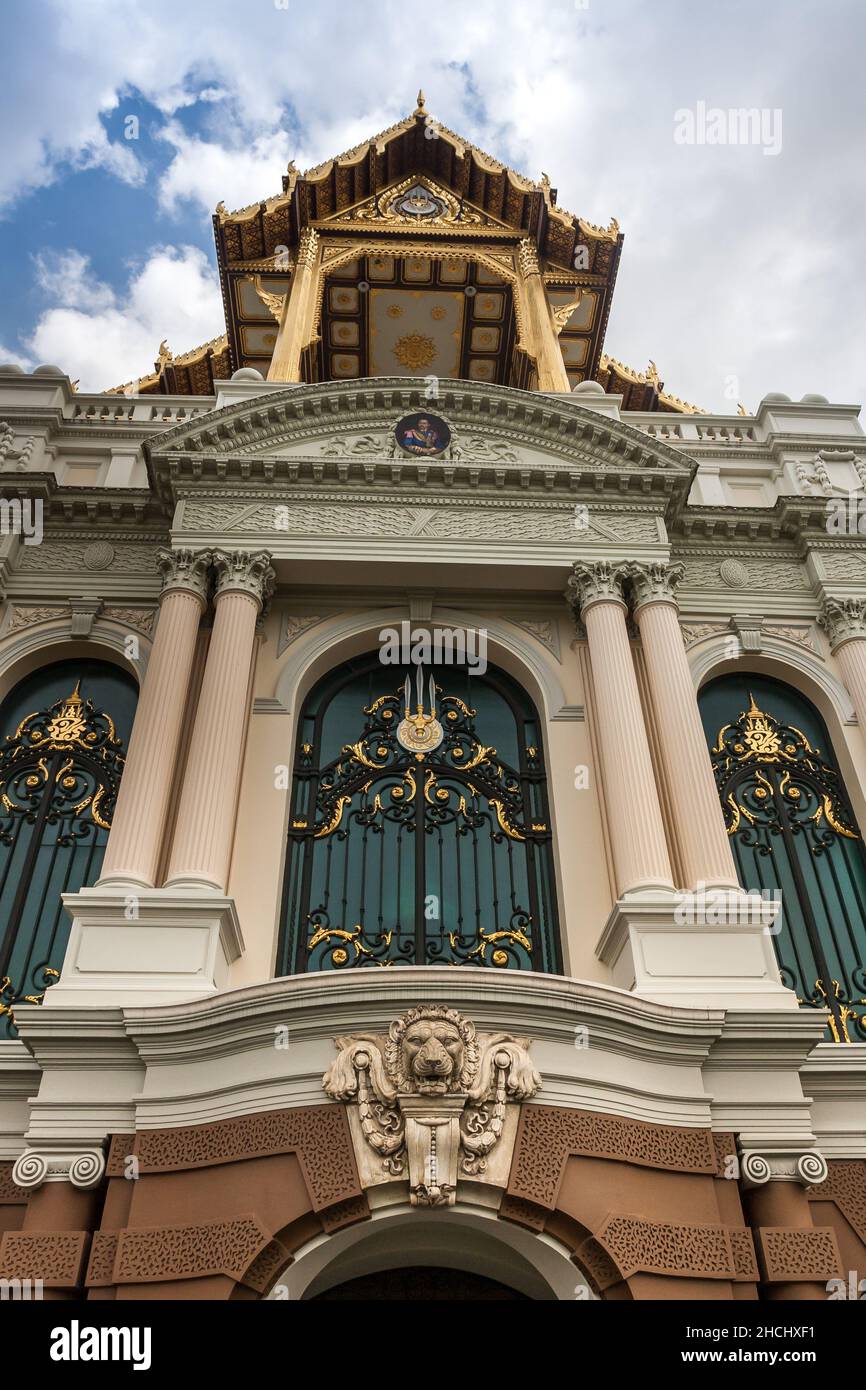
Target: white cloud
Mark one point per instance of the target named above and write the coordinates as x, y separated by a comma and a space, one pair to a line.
205, 172
104, 339
66, 278
16, 356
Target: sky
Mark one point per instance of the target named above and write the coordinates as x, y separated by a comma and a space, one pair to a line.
126, 122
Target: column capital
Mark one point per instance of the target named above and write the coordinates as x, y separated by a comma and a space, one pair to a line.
843, 619
82, 1167
244, 572
308, 248
654, 581
807, 1167
527, 258
594, 583
186, 570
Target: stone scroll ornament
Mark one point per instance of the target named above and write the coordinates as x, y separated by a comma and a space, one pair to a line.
431, 1095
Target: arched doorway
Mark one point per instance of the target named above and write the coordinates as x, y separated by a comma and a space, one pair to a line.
405, 1246
419, 1282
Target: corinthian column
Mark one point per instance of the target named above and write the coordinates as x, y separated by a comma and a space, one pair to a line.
697, 812
544, 340
206, 817
844, 621
135, 841
296, 322
637, 832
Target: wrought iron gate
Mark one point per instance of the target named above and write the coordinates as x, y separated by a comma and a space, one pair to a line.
416, 854
59, 774
793, 832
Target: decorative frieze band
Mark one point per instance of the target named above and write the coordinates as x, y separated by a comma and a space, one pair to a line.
55, 1258
238, 1249
318, 1134
699, 1251
548, 1136
625, 1245
845, 1186
10, 1193
797, 1255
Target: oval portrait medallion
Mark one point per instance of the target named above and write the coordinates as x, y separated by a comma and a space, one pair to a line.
423, 433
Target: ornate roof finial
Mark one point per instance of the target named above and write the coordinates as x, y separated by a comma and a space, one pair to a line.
419, 109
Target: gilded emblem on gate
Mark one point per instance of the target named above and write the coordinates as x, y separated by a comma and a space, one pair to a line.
419, 732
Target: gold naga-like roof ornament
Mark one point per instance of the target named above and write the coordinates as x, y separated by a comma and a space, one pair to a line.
650, 377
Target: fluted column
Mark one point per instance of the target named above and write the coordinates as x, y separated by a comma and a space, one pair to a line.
135, 842
844, 621
636, 828
700, 824
544, 340
205, 824
296, 321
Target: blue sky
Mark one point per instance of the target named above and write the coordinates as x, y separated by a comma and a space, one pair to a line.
741, 267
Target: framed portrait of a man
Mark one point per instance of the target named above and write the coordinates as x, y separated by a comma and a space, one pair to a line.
423, 434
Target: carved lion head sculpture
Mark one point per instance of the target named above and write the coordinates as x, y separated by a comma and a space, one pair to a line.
432, 1050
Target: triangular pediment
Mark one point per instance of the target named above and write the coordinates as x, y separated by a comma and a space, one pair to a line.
416, 203
347, 426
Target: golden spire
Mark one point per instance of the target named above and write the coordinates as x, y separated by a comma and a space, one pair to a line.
754, 712
75, 697
419, 109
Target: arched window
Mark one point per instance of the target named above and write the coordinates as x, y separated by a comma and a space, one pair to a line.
793, 833
423, 854
64, 730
